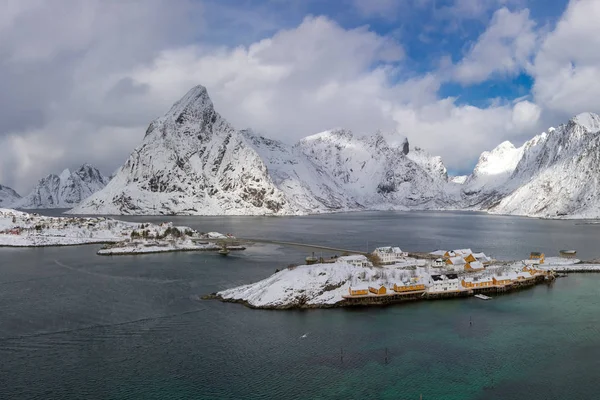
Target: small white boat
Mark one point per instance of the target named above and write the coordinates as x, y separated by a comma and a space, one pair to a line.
483, 297
223, 252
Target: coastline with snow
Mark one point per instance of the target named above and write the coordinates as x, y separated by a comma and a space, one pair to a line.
345, 284
21, 229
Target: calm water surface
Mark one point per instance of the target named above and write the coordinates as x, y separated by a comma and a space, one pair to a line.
76, 325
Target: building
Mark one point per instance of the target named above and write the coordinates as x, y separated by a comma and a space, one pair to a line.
357, 260
378, 289
444, 283
463, 252
481, 257
438, 263
474, 266
358, 291
458, 260
390, 255
477, 282
470, 258
567, 253
408, 286
537, 256
503, 280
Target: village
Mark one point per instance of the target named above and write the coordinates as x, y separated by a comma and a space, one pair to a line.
451, 273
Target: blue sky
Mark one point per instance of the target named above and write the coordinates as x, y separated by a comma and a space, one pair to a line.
81, 81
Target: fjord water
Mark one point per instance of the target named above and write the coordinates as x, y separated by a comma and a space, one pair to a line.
76, 325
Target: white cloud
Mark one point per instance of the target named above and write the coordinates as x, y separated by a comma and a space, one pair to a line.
505, 48
90, 98
567, 67
318, 76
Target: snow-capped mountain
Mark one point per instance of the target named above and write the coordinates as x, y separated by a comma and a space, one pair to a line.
555, 174
192, 161
65, 190
8, 196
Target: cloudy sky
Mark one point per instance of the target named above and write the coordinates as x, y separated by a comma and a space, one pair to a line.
81, 80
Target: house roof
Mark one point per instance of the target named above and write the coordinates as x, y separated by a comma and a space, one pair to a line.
360, 287
465, 252
354, 257
388, 249
437, 277
536, 253
457, 260
438, 252
476, 265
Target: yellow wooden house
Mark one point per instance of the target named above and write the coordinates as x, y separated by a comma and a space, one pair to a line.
477, 283
474, 266
470, 258
537, 256
502, 280
378, 289
408, 287
358, 291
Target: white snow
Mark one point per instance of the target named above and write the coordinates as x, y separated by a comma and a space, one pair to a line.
160, 246
8, 196
21, 229
63, 191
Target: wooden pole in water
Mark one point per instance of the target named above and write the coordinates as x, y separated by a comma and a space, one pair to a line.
386, 356
342, 354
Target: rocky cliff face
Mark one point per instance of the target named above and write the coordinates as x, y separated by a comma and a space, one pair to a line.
192, 161
65, 190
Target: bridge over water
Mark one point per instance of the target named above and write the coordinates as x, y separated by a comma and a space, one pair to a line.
282, 243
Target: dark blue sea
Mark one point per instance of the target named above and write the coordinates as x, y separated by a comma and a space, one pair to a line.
74, 325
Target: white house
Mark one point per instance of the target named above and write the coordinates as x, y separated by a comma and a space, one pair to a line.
438, 263
356, 259
444, 283
390, 255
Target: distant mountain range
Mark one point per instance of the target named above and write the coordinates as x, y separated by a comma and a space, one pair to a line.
192, 161
62, 191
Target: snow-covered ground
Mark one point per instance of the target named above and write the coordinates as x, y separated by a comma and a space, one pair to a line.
21, 229
159, 246
317, 284
325, 284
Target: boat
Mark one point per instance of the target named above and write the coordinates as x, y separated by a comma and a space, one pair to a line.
483, 297
223, 251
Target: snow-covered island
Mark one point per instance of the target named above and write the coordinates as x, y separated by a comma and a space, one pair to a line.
21, 229
354, 280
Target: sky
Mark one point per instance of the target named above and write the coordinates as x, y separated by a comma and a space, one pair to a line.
80, 81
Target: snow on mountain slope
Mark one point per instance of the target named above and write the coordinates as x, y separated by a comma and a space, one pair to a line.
191, 161
494, 167
376, 174
8, 196
65, 190
304, 183
558, 174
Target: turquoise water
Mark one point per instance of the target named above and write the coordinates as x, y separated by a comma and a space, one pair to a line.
75, 325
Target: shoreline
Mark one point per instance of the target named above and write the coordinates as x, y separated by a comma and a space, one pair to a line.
388, 300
